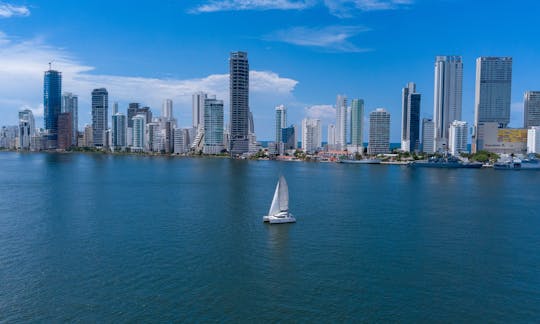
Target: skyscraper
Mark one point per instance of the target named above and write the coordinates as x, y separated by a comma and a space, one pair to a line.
70, 103
357, 122
167, 109
331, 140
119, 131
114, 108
447, 97
213, 126
311, 135
132, 110
197, 107
428, 131
341, 122
239, 102
26, 129
288, 138
492, 95
65, 130
281, 122
457, 141
52, 104
410, 118
100, 108
139, 132
379, 132
531, 105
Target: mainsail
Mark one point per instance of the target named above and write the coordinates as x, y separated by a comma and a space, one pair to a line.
283, 194
274, 208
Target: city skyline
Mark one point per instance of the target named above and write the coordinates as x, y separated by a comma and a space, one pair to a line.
304, 77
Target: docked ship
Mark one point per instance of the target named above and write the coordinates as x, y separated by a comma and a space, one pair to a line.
517, 164
364, 161
448, 162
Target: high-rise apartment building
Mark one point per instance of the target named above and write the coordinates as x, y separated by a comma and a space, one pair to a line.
531, 105
213, 126
311, 135
288, 138
448, 92
26, 129
65, 130
341, 122
52, 104
119, 131
410, 118
100, 108
239, 102
357, 122
139, 132
428, 131
492, 94
379, 132
533, 140
331, 136
458, 134
132, 110
70, 103
167, 109
281, 122
197, 106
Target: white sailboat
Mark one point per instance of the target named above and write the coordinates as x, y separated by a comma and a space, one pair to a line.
279, 210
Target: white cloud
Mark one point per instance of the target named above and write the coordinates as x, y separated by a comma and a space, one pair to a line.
340, 8
21, 83
237, 5
8, 10
331, 38
326, 113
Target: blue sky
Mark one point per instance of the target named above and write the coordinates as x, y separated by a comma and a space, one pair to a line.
302, 53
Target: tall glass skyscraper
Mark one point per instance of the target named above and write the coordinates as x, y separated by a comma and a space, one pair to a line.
281, 122
52, 103
492, 95
70, 104
531, 103
410, 120
341, 122
448, 92
100, 108
213, 126
357, 123
239, 102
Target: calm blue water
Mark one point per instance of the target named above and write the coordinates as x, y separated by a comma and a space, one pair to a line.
97, 238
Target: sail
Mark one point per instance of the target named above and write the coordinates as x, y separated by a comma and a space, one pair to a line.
274, 208
283, 194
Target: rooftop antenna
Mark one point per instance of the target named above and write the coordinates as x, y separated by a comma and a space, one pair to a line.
50, 64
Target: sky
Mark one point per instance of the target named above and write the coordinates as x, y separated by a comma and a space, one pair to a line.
302, 53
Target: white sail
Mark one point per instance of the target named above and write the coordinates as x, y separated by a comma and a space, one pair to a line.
283, 195
274, 208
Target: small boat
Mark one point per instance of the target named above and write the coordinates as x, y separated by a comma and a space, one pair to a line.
279, 210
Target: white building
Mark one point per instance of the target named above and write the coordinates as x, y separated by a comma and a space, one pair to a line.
26, 129
379, 132
533, 140
331, 135
457, 141
341, 122
181, 140
198, 109
311, 135
281, 122
139, 132
448, 93
167, 109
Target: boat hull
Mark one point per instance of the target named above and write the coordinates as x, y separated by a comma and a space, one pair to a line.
281, 220
445, 165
